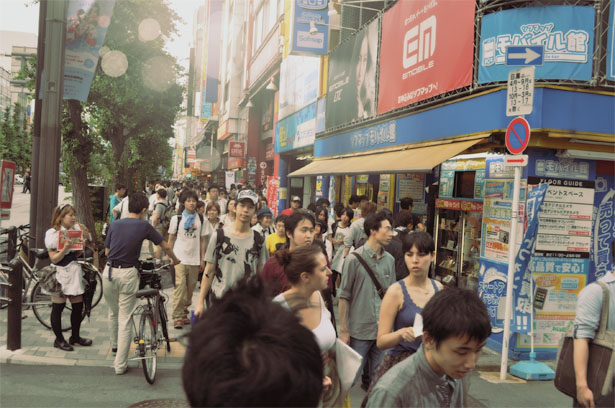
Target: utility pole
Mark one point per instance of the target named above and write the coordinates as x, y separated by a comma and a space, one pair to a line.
52, 85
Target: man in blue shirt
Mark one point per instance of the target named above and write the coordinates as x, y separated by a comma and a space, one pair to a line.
121, 278
114, 199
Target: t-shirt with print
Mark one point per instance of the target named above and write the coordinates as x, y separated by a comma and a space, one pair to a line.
187, 246
274, 242
236, 260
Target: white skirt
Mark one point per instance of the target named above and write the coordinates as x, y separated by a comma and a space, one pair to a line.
71, 279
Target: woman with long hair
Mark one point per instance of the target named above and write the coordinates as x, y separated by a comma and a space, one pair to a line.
307, 273
403, 301
68, 274
229, 217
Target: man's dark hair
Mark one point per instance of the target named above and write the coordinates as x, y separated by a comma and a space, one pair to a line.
388, 214
162, 193
137, 202
249, 351
403, 218
323, 201
363, 197
281, 218
405, 203
213, 186
200, 204
338, 208
186, 194
311, 207
295, 218
373, 222
118, 187
354, 199
456, 312
419, 239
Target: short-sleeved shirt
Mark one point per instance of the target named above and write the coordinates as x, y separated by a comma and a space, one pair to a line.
113, 201
125, 237
355, 234
187, 246
274, 277
273, 241
589, 308
413, 383
237, 259
122, 208
159, 208
360, 292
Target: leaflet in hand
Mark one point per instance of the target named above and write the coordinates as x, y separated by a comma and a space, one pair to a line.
418, 326
74, 235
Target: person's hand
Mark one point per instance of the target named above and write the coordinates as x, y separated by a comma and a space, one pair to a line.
344, 336
67, 242
326, 384
585, 397
407, 334
202, 267
174, 261
198, 310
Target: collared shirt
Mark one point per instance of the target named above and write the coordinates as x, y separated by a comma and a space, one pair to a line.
360, 292
589, 307
355, 234
413, 383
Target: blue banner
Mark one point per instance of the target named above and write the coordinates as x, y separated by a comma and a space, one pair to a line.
492, 278
603, 231
522, 296
87, 22
296, 130
567, 33
610, 52
303, 39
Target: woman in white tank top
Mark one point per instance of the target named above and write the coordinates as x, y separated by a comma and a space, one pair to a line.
307, 272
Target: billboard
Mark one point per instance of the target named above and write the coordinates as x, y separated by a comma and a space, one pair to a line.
567, 33
299, 78
296, 130
302, 41
427, 49
351, 89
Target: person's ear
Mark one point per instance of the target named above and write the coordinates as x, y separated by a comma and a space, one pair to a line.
428, 341
304, 277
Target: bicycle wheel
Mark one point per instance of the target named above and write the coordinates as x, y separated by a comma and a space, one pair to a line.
41, 306
162, 316
147, 346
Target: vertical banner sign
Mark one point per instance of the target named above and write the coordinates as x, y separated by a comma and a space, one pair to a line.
301, 39
522, 297
610, 51
351, 85
87, 22
604, 222
273, 185
566, 32
252, 170
214, 31
229, 178
7, 181
421, 55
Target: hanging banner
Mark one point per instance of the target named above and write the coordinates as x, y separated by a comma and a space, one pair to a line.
567, 33
229, 178
421, 56
522, 297
604, 222
273, 184
351, 84
87, 22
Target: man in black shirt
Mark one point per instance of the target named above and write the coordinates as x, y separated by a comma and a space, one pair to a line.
121, 278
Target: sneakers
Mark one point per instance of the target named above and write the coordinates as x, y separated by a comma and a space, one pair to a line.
121, 371
62, 345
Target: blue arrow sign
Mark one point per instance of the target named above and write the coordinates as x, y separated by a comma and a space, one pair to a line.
523, 55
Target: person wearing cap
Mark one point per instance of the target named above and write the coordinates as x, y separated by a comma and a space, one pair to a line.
241, 253
295, 204
264, 225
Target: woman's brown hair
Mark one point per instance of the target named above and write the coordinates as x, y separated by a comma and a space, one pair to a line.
302, 259
59, 213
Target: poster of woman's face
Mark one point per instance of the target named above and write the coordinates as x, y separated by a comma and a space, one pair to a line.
351, 93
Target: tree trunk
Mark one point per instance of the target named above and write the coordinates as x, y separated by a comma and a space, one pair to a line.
79, 174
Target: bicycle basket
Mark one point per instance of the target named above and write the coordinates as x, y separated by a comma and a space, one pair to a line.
150, 279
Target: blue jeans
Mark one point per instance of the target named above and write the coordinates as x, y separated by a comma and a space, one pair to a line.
372, 356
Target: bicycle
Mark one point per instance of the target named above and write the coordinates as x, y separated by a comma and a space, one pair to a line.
153, 315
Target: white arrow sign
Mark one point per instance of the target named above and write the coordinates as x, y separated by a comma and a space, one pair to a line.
529, 55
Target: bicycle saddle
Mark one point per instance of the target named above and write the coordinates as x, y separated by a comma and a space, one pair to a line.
40, 253
146, 293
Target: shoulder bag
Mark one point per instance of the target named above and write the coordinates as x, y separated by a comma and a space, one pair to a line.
601, 357
371, 274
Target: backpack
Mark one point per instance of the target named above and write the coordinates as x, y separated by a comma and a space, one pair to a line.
255, 250
167, 214
179, 218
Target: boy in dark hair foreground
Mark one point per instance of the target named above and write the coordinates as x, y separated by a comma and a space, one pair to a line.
456, 326
249, 351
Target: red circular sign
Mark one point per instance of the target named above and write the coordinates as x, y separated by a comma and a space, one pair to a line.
517, 135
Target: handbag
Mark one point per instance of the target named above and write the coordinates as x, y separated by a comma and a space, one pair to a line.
600, 362
48, 281
371, 274
347, 361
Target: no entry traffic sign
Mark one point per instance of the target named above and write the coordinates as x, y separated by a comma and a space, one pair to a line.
517, 135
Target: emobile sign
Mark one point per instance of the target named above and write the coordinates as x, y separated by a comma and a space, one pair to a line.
427, 49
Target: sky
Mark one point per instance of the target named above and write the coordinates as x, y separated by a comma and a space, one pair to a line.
22, 15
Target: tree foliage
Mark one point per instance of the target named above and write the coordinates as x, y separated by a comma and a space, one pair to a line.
16, 138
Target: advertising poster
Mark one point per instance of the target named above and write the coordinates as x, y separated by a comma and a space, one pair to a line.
299, 76
604, 221
421, 56
273, 184
302, 13
351, 84
252, 170
567, 33
384, 191
87, 22
610, 50
447, 183
296, 130
229, 178
7, 181
492, 277
411, 185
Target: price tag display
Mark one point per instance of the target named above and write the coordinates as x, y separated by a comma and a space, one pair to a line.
520, 92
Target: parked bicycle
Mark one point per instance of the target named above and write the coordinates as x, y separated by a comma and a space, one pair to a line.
153, 331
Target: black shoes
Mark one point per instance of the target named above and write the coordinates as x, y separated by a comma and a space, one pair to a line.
80, 341
62, 345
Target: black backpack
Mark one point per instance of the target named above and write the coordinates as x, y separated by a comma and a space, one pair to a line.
255, 250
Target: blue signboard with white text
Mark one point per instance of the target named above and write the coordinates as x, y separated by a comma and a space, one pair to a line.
566, 32
610, 51
297, 130
304, 38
